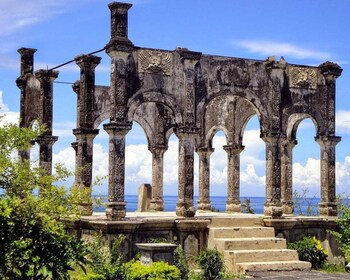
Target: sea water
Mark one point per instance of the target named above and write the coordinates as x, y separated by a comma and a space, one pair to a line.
219, 203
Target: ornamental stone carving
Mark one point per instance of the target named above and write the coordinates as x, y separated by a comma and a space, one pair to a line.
154, 61
302, 77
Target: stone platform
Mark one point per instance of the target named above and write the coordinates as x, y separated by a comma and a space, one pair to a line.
193, 234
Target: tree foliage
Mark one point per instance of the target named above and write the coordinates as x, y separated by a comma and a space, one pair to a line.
33, 239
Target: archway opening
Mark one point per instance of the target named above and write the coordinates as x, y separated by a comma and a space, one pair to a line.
218, 172
253, 167
138, 165
171, 177
306, 169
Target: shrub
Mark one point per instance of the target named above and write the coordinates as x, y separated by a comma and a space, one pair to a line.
342, 234
212, 263
134, 270
310, 249
181, 262
106, 262
33, 239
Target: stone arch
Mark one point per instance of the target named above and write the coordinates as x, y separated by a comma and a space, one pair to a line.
153, 96
293, 122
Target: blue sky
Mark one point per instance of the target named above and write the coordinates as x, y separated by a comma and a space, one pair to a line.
304, 32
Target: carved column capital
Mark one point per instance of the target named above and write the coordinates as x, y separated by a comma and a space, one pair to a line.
47, 140
118, 129
87, 62
205, 151
158, 150
328, 141
331, 71
233, 149
46, 75
85, 133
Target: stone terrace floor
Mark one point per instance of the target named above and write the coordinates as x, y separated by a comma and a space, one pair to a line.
291, 275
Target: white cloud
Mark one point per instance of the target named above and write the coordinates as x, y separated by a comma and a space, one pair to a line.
343, 121
19, 14
7, 116
307, 176
269, 48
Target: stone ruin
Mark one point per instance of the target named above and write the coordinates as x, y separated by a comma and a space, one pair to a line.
192, 95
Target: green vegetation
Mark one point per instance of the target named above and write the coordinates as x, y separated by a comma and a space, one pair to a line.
342, 234
33, 240
310, 249
211, 262
301, 199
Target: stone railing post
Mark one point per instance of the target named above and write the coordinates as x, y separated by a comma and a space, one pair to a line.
157, 202
116, 205
233, 203
204, 154
287, 146
328, 205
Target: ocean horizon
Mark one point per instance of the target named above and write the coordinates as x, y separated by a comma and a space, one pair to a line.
306, 205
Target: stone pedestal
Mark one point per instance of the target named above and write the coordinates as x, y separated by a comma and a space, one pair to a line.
156, 252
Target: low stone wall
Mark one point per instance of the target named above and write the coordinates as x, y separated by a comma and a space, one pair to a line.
192, 233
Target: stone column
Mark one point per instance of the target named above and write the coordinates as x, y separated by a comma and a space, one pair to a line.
184, 205
116, 209
287, 146
26, 70
45, 152
328, 205
273, 206
233, 203
85, 131
204, 178
157, 202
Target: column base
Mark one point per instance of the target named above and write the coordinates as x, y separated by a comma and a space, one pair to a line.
272, 210
233, 207
204, 205
185, 209
116, 211
328, 209
288, 207
85, 209
156, 205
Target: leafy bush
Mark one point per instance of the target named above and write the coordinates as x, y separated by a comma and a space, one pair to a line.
212, 263
181, 262
33, 240
310, 249
342, 234
106, 262
134, 270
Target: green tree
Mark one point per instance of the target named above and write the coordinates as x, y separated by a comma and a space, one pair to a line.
34, 243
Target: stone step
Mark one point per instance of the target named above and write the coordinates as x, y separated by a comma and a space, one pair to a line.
259, 243
236, 222
242, 256
272, 266
242, 232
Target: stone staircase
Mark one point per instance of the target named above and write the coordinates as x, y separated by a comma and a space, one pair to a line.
249, 247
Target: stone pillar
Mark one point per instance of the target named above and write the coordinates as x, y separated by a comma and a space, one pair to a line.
204, 178
157, 202
328, 205
273, 206
85, 131
184, 205
45, 152
119, 23
26, 70
287, 146
116, 209
233, 203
